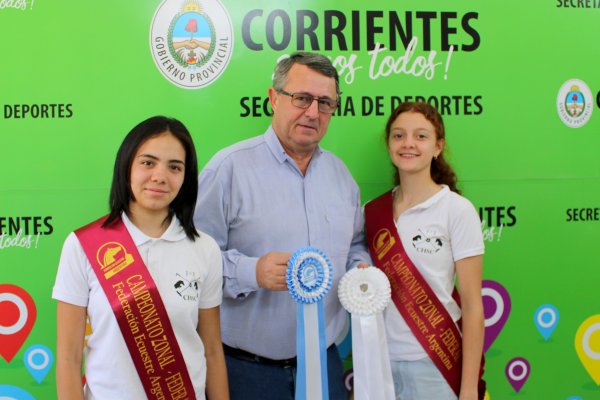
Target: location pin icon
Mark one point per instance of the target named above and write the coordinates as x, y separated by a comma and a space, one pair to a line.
17, 316
38, 360
517, 371
546, 319
496, 307
587, 344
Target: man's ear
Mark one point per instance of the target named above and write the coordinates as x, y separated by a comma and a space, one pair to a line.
273, 98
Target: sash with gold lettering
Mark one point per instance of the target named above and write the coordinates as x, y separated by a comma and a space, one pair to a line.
139, 310
423, 312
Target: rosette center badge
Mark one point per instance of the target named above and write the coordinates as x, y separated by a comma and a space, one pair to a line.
308, 275
364, 291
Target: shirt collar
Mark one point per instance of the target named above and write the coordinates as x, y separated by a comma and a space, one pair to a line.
430, 201
173, 233
277, 149
435, 198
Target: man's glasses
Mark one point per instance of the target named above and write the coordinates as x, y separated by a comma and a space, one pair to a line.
304, 100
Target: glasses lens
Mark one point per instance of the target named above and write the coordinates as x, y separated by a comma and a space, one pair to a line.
302, 100
327, 106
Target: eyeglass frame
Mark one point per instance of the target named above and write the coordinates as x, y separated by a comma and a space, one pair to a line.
313, 98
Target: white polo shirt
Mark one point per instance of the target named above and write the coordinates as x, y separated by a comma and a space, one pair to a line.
188, 276
435, 234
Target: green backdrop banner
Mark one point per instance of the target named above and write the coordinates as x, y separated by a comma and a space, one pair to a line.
517, 84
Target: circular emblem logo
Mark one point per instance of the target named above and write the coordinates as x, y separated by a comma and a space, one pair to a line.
574, 103
191, 41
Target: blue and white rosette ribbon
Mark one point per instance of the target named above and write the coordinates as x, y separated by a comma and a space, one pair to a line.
308, 277
365, 293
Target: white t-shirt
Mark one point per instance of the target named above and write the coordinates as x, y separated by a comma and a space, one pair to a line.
188, 276
436, 233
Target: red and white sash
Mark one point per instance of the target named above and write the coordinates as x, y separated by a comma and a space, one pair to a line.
416, 301
139, 310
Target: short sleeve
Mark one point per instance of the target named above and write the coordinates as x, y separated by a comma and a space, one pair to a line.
211, 294
465, 230
71, 285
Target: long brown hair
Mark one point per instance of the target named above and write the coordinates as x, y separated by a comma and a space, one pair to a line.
441, 171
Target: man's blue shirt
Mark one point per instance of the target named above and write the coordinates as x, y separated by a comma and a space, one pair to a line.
253, 200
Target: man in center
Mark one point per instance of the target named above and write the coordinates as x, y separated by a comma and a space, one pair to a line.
262, 199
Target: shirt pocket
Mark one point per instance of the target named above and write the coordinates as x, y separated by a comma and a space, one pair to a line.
340, 225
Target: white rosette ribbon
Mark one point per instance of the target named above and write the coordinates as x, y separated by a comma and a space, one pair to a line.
309, 276
365, 293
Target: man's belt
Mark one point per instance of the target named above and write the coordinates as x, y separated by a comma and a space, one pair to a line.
247, 356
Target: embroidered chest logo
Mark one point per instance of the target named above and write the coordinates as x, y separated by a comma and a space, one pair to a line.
187, 286
427, 242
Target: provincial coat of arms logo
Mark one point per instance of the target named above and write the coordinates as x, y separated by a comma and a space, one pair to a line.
574, 103
191, 41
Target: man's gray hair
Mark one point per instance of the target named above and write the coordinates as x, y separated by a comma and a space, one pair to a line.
314, 61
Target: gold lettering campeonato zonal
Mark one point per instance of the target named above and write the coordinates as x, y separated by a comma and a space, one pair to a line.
433, 316
155, 341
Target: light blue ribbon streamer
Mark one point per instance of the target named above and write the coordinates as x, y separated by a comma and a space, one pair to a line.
305, 375
323, 352
311, 373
